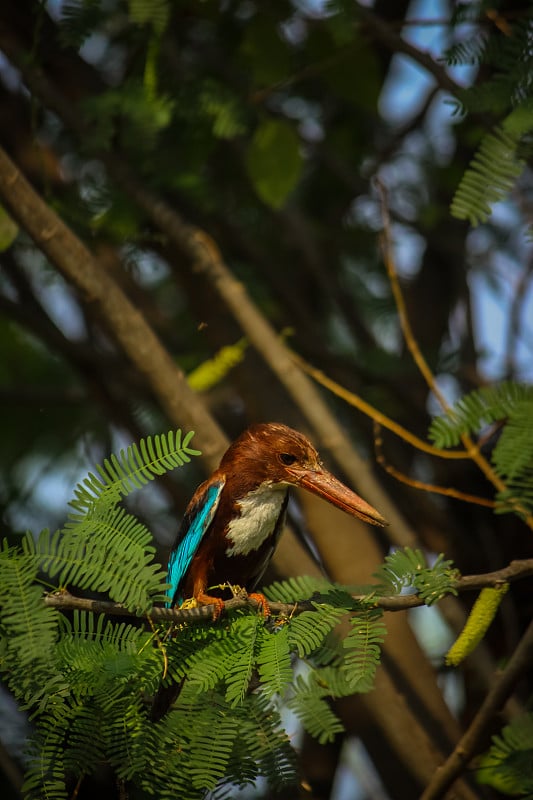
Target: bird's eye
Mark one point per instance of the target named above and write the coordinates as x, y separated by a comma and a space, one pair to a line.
287, 459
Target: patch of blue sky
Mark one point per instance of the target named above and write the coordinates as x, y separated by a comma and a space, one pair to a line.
409, 83
60, 303
492, 313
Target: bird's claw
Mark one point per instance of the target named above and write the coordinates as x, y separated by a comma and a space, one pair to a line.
263, 603
207, 600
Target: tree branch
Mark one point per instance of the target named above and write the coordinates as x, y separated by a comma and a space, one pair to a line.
130, 329
205, 258
64, 600
373, 413
384, 34
469, 743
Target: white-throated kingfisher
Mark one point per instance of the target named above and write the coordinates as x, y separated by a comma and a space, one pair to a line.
233, 522
234, 519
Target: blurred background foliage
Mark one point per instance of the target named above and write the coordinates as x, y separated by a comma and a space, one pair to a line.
265, 125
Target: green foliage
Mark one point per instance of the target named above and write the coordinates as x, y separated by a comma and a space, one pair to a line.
219, 104
508, 764
87, 680
102, 547
490, 177
274, 162
510, 404
133, 114
309, 704
28, 629
408, 568
133, 468
363, 651
500, 158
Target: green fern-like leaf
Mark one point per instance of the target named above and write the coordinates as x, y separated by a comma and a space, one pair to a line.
512, 456
242, 661
79, 19
104, 551
490, 177
45, 774
296, 588
478, 409
225, 110
134, 467
468, 51
406, 567
263, 747
508, 94
313, 711
509, 459
274, 660
29, 628
102, 547
308, 630
508, 764
212, 749
509, 60
207, 667
363, 650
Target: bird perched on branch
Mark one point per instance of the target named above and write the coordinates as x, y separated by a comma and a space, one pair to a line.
233, 522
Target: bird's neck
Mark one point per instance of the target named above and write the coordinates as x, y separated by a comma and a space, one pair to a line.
257, 517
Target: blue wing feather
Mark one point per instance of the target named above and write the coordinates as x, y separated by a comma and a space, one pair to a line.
194, 526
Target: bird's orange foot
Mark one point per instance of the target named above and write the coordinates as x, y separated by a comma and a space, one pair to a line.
263, 603
207, 600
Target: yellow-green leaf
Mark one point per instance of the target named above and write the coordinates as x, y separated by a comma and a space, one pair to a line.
274, 161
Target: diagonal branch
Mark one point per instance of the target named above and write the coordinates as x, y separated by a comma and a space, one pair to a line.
203, 257
126, 323
469, 743
386, 422
423, 486
383, 33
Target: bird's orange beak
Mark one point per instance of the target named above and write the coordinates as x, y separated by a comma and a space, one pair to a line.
325, 485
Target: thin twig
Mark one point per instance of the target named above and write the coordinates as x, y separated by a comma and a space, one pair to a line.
382, 32
469, 743
447, 491
470, 446
386, 422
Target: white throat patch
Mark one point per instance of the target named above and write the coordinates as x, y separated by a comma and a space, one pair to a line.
259, 513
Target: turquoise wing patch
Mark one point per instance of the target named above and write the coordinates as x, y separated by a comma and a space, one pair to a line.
193, 528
